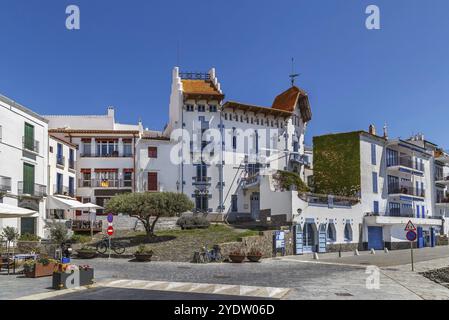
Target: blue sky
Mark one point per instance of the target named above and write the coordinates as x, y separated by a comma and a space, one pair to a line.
125, 51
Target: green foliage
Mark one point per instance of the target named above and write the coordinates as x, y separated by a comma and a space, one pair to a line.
336, 164
150, 206
10, 234
87, 249
192, 222
29, 237
287, 179
79, 238
58, 232
142, 249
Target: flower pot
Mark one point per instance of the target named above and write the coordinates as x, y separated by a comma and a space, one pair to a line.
41, 270
236, 258
61, 279
254, 258
86, 254
143, 257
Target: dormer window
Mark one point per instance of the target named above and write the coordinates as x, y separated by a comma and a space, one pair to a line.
226, 116
189, 107
201, 108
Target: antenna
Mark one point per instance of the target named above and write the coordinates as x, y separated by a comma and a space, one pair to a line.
293, 75
177, 53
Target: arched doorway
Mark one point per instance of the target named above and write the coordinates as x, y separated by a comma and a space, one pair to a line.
309, 237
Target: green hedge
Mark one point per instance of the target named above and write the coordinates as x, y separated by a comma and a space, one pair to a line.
336, 164
287, 179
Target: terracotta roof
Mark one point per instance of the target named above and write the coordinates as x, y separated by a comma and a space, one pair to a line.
288, 100
92, 131
200, 88
256, 109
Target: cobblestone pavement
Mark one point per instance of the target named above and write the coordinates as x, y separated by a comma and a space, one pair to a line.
306, 278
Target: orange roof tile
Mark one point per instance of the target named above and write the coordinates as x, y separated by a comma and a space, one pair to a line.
200, 87
288, 100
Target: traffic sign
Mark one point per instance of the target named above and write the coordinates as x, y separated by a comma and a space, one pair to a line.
410, 226
110, 231
110, 218
411, 235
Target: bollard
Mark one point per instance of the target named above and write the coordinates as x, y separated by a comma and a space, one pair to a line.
386, 250
373, 251
339, 254
356, 252
315, 256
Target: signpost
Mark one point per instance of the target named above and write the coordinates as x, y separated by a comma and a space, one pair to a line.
110, 230
411, 236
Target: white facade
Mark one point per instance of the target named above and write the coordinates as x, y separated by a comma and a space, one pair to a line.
23, 164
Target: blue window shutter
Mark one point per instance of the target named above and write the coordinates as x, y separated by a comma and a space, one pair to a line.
373, 154
375, 189
376, 206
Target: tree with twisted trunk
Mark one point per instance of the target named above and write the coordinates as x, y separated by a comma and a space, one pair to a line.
149, 207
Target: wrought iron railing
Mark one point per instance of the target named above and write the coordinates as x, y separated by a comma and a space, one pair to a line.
5, 184
34, 190
30, 145
395, 189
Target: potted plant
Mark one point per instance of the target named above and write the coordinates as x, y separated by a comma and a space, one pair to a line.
237, 256
254, 255
143, 254
63, 276
43, 267
86, 253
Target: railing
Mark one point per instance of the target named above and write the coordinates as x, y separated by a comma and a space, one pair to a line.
85, 225
443, 200
405, 162
254, 179
394, 189
63, 190
328, 200
105, 183
441, 178
36, 190
5, 184
72, 164
202, 179
114, 154
408, 213
60, 160
301, 159
32, 145
84, 183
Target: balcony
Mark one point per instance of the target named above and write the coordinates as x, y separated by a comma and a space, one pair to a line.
114, 154
406, 162
300, 159
443, 200
330, 201
251, 181
442, 180
406, 190
30, 145
106, 183
63, 191
60, 161
84, 183
5, 184
201, 180
33, 190
401, 212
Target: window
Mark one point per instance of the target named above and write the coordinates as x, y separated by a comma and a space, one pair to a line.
152, 152
29, 137
394, 209
189, 107
128, 177
106, 178
331, 233
127, 148
226, 116
348, 232
212, 108
234, 139
392, 158
71, 186
376, 207
59, 183
256, 135
86, 178
201, 108
202, 202
107, 148
87, 148
375, 183
71, 159
201, 172
234, 203
59, 154
28, 179
373, 154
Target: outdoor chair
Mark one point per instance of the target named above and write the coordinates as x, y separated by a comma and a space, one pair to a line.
6, 262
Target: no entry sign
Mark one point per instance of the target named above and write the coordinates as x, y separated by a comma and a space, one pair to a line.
110, 231
411, 235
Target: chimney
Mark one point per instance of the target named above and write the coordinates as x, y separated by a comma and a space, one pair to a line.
372, 129
111, 112
385, 132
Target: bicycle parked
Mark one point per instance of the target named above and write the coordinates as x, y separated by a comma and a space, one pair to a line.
116, 246
206, 255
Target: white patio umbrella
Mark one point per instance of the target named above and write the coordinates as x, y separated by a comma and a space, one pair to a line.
8, 211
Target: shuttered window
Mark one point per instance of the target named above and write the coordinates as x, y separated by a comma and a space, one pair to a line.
29, 136
28, 178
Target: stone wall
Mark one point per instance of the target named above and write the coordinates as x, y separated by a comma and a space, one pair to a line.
124, 222
264, 243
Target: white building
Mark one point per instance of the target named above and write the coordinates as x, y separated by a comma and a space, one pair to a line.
23, 164
106, 161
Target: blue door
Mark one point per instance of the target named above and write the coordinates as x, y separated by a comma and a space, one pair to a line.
420, 243
432, 237
298, 239
308, 238
322, 239
375, 238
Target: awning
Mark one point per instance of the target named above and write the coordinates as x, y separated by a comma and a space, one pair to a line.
63, 203
8, 211
90, 206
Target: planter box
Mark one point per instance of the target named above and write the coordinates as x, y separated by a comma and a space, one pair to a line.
143, 257
236, 259
60, 279
254, 258
41, 270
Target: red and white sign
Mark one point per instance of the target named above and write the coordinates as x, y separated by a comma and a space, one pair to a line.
410, 226
110, 231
